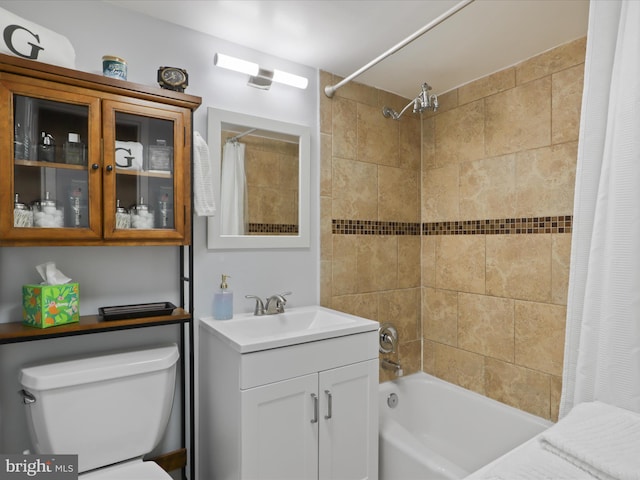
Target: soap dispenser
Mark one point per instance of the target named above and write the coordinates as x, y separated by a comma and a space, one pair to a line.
223, 301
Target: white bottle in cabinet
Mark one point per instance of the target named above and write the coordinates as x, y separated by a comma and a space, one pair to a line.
304, 411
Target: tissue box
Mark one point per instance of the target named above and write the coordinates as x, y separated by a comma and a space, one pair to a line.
46, 306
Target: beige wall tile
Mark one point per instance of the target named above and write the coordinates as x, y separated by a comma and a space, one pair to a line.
355, 190
540, 336
392, 100
398, 194
519, 266
429, 159
440, 194
489, 85
401, 308
519, 118
485, 325
325, 164
410, 356
559, 58
487, 188
325, 283
377, 263
345, 264
428, 260
408, 261
560, 261
459, 366
357, 92
344, 128
545, 179
440, 316
566, 103
429, 357
459, 134
363, 305
378, 137
326, 239
409, 143
517, 386
460, 263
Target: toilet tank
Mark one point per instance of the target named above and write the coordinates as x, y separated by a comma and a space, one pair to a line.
105, 409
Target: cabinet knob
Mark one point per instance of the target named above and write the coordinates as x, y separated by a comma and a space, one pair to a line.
109, 168
95, 166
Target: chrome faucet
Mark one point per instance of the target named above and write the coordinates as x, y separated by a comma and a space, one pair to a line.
391, 365
273, 305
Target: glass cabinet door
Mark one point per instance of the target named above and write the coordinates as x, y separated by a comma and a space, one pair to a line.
55, 170
144, 172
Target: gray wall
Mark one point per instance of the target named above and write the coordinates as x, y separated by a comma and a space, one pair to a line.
122, 275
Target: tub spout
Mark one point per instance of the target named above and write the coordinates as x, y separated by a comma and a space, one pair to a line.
391, 365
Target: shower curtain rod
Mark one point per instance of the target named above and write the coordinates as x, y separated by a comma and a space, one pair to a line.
240, 135
331, 89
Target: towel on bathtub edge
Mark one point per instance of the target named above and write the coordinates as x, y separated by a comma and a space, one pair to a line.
529, 461
601, 439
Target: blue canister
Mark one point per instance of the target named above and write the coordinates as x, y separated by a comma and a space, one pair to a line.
114, 67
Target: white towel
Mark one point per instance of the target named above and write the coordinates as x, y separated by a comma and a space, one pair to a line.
204, 201
129, 155
601, 439
529, 461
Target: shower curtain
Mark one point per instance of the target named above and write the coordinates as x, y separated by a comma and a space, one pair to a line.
602, 346
233, 190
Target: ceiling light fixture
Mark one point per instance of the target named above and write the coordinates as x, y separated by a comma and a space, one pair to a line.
259, 77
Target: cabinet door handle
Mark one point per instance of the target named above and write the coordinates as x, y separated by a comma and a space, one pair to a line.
315, 408
95, 166
109, 168
329, 404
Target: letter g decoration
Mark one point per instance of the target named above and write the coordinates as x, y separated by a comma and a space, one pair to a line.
8, 40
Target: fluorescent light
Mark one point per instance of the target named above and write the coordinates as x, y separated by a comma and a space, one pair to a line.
235, 64
290, 79
260, 78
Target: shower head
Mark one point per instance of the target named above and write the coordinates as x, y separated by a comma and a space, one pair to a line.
422, 102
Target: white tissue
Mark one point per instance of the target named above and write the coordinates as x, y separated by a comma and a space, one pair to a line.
51, 275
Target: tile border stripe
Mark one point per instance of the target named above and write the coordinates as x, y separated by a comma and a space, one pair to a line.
500, 226
275, 228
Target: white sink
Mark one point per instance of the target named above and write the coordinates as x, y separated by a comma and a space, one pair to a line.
249, 333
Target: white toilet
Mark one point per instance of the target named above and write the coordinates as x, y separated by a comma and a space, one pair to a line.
109, 410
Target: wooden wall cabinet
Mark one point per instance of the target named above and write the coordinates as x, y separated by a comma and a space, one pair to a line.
91, 160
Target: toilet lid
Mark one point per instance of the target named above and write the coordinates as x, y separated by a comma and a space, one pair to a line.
136, 470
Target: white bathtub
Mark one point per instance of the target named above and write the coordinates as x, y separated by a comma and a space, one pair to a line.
439, 431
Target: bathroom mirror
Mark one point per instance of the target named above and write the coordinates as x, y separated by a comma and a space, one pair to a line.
261, 182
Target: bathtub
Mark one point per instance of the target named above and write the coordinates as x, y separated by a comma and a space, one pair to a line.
440, 431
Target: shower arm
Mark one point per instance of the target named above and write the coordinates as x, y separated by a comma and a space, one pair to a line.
390, 112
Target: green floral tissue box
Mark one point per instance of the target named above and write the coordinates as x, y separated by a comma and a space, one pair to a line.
45, 306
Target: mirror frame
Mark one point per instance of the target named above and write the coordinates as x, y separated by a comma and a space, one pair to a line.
215, 241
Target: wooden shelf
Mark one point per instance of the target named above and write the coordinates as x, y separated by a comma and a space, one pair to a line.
17, 332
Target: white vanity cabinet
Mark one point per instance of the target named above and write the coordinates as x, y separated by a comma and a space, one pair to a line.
302, 411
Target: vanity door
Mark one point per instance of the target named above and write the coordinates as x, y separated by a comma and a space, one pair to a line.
280, 430
349, 422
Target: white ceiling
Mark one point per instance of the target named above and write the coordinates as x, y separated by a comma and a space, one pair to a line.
341, 36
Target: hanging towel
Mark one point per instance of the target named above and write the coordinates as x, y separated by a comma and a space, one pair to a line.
600, 439
204, 202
